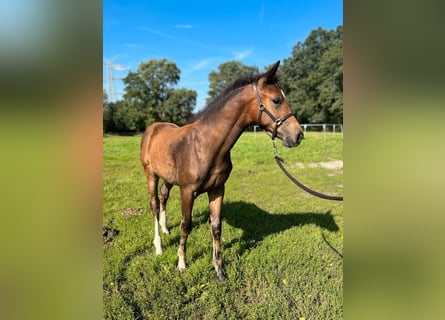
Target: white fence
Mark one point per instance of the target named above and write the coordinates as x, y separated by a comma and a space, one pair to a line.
324, 126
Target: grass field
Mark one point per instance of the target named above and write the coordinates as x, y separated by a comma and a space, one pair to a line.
281, 247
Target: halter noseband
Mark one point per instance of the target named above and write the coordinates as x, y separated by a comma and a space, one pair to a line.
262, 108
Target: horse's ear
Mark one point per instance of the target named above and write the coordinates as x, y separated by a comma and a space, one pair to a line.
271, 74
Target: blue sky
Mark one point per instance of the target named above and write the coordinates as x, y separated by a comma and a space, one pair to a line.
200, 35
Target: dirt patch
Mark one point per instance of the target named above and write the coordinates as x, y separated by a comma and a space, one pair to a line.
298, 165
332, 165
128, 212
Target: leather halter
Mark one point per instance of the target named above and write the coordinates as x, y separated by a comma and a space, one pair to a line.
262, 108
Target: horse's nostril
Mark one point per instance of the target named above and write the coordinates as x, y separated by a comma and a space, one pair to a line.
300, 137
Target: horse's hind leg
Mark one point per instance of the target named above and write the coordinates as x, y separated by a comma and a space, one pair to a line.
152, 181
187, 199
164, 193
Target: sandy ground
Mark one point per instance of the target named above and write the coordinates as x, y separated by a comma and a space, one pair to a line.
333, 165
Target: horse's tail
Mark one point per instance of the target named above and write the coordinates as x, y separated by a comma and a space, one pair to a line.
145, 143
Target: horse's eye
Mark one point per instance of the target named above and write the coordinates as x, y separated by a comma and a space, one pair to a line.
277, 101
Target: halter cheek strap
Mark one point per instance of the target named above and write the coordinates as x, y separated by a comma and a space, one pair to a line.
262, 108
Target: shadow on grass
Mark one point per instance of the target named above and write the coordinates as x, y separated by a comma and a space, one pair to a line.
258, 224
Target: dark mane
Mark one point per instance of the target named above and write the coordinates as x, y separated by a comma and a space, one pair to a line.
216, 104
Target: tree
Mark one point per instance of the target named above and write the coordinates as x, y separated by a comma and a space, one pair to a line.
150, 96
313, 77
227, 72
179, 97
120, 116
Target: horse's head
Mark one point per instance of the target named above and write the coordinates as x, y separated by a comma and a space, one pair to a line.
274, 113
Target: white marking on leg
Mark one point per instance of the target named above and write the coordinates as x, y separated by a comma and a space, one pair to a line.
157, 239
181, 262
162, 222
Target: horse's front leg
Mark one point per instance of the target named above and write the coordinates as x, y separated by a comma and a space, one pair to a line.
187, 199
215, 205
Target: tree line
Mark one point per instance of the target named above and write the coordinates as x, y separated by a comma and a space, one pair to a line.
312, 79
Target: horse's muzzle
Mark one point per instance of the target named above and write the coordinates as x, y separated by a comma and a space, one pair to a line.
290, 142
300, 137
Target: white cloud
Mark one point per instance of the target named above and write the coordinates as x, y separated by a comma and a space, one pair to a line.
239, 55
184, 26
176, 39
133, 45
201, 64
262, 12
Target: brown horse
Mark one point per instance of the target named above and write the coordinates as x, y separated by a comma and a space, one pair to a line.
196, 157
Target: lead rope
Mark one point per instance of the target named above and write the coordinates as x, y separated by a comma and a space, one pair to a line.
280, 162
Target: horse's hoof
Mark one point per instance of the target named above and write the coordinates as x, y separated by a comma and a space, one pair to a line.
221, 277
158, 251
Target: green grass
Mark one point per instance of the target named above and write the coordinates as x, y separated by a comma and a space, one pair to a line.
281, 247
